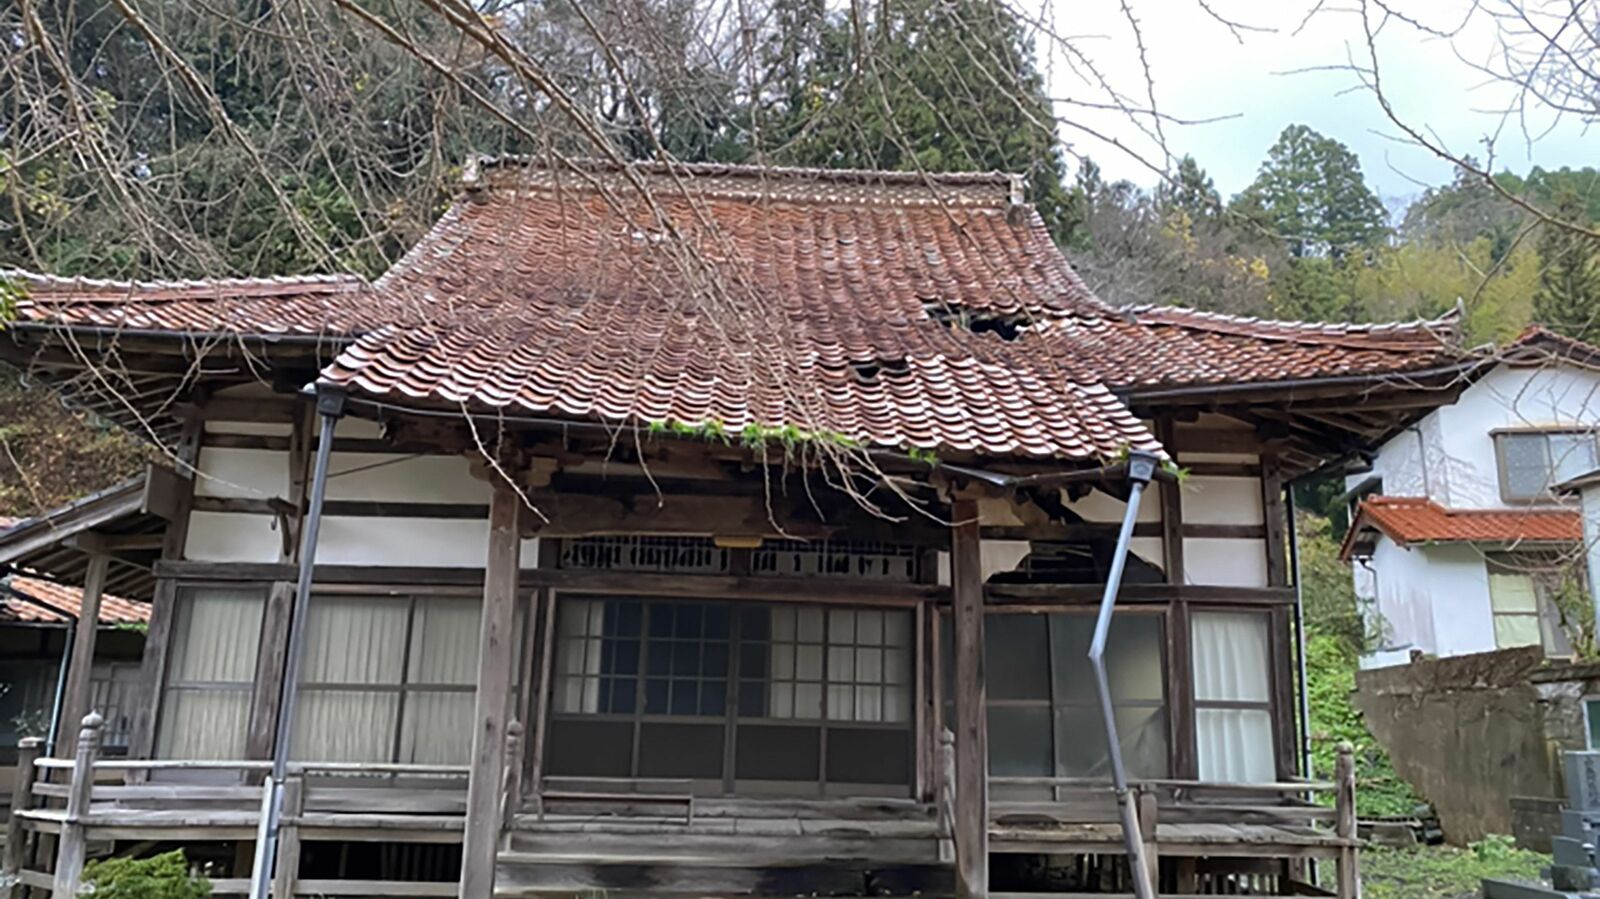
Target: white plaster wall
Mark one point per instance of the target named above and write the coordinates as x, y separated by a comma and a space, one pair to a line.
1215, 500
421, 542
1225, 562
1400, 599
1463, 620
1100, 506
1564, 396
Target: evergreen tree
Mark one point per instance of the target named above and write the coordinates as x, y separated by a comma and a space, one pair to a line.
1568, 298
1311, 193
1190, 191
941, 85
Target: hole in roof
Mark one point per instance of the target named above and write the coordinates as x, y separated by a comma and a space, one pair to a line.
1006, 326
869, 369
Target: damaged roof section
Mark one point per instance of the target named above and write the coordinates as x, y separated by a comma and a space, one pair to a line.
891, 310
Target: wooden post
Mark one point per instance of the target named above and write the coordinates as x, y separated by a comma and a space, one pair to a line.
947, 795
79, 692
287, 871
512, 793
496, 646
971, 730
28, 752
1180, 674
70, 851
1148, 813
1344, 778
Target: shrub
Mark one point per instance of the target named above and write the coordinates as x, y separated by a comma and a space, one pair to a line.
164, 876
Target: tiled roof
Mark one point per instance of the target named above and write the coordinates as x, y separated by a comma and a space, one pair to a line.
1170, 346
1408, 520
821, 306
1537, 343
36, 601
305, 305
898, 309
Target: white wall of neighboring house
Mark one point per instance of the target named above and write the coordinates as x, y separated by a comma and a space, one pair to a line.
1436, 598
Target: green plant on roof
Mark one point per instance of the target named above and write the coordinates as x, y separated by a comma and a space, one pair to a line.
751, 436
926, 456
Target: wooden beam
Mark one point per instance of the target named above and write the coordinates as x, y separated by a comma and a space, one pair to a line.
1136, 594
76, 697
971, 731
496, 650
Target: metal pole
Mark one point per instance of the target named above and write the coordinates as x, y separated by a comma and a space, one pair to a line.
330, 406
61, 688
1141, 468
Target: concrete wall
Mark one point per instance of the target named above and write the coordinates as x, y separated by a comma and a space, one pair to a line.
1470, 733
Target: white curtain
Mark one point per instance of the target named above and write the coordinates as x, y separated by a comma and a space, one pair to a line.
352, 645
577, 674
444, 652
1232, 665
210, 673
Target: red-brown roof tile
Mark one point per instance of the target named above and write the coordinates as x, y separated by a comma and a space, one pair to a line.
1410, 520
36, 601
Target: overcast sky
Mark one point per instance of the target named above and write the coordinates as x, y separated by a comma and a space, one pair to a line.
1201, 71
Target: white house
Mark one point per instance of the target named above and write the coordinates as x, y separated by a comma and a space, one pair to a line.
1459, 541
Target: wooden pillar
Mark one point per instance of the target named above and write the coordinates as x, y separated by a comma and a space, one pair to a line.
70, 851
79, 692
1149, 811
496, 650
1344, 804
28, 752
1180, 676
971, 730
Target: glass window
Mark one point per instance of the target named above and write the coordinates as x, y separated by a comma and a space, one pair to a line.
1524, 593
1531, 462
1591, 722
1233, 697
388, 680
1043, 712
211, 672
1515, 604
804, 678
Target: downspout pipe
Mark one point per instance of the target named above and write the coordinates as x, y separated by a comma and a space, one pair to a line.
1141, 469
330, 408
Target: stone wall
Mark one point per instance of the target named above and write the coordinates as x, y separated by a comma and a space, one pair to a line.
1471, 732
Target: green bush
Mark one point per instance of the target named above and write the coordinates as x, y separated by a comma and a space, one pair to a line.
164, 876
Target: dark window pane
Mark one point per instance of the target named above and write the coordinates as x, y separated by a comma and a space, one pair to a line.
658, 657
767, 752
1017, 657
1070, 636
629, 618
660, 616
688, 624
715, 663
1133, 659
680, 750
755, 624
627, 657
685, 659
752, 699
623, 693
1019, 742
752, 660
713, 697
869, 756
717, 622
655, 696
685, 698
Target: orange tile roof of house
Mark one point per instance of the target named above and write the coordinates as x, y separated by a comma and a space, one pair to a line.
27, 600
1411, 520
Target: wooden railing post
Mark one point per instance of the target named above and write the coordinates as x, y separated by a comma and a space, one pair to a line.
70, 851
1146, 802
28, 751
513, 777
947, 795
287, 865
1345, 822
